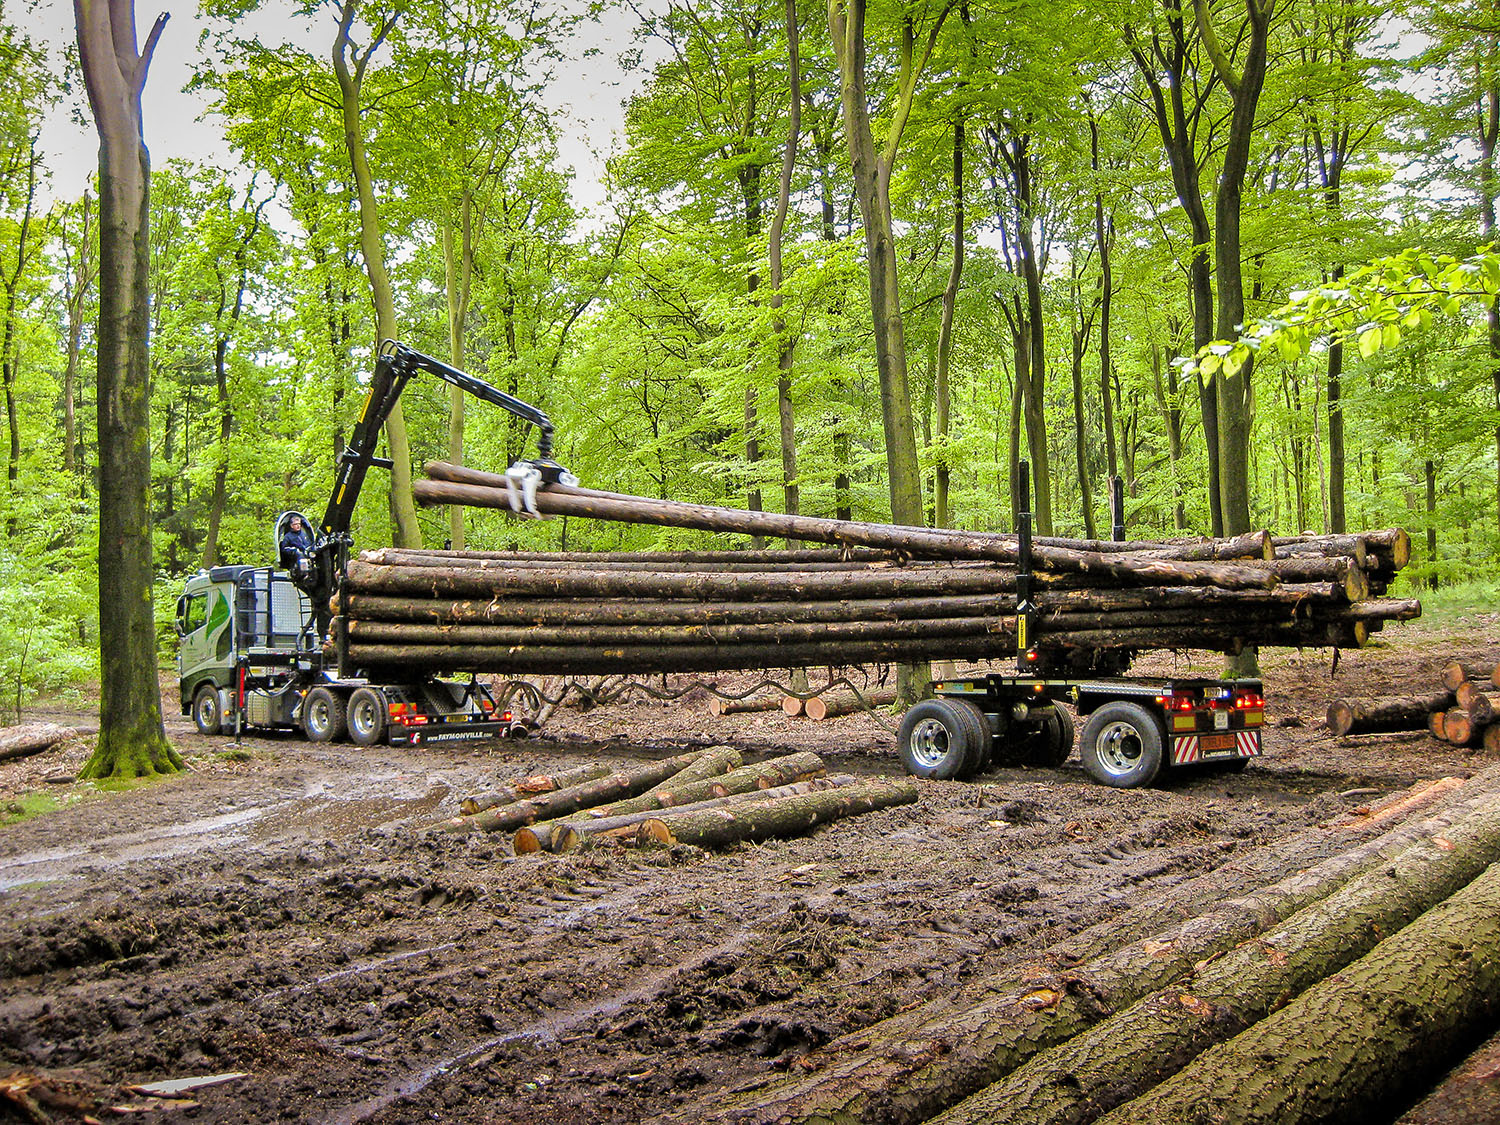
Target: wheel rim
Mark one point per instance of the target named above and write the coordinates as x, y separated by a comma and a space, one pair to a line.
208, 710
928, 743
317, 714
362, 716
1119, 748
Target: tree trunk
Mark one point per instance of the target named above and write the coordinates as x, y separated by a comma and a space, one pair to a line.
523, 787
942, 470
907, 1068
1128, 1053
132, 740
1360, 1041
1385, 713
458, 276
786, 348
788, 816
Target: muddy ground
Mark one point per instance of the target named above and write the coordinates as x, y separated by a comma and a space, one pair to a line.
282, 911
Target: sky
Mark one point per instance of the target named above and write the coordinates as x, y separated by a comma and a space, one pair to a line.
588, 94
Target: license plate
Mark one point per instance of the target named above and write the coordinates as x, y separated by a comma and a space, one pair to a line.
1221, 720
1211, 742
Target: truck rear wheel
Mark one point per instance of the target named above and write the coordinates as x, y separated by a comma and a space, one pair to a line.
1122, 745
1054, 741
208, 714
938, 740
323, 715
367, 716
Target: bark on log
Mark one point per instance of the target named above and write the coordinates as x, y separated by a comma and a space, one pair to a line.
1385, 713
1468, 1095
613, 787
821, 707
906, 1069
1360, 1041
1460, 729
524, 787
719, 707
27, 739
1350, 547
1482, 708
1392, 545
1342, 571
1250, 545
788, 816
587, 503
784, 770
1492, 739
1125, 1055
1495, 676
1456, 673
570, 835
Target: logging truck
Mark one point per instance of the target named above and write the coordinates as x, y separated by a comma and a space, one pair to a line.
254, 646
1133, 729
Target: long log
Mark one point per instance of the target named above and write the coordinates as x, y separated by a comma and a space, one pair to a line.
788, 816
1249, 545
1385, 713
821, 707
659, 611
572, 834
1392, 546
719, 707
1358, 1042
1125, 1055
907, 1068
26, 739
783, 770
1342, 571
1467, 1095
524, 787
1349, 547
544, 806
490, 492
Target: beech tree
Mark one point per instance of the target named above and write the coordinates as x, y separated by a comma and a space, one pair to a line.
132, 739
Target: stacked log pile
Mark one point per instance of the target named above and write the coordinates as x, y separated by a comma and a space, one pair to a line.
888, 594
708, 798
1463, 708
1340, 990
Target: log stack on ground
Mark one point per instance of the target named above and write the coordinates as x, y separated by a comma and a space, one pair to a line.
888, 593
646, 803
1464, 712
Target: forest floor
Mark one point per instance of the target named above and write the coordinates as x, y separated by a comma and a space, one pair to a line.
281, 911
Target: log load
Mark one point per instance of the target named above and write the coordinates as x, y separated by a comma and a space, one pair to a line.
1359, 1041
1126, 1054
909, 1067
1385, 713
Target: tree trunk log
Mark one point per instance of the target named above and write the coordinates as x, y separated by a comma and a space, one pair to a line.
826, 707
1125, 1055
490, 492
1482, 708
1467, 1096
1435, 725
1385, 713
906, 1069
1461, 729
613, 787
789, 816
570, 835
1464, 694
523, 787
719, 707
791, 706
1360, 1041
1455, 673
26, 739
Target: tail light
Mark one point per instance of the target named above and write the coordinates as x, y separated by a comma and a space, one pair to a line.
1249, 701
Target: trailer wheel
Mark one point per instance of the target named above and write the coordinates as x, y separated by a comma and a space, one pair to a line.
323, 714
936, 740
1054, 740
1122, 745
366, 716
980, 732
208, 715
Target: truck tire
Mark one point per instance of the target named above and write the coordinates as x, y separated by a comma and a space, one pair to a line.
979, 731
1054, 742
366, 716
937, 740
1122, 745
208, 715
323, 715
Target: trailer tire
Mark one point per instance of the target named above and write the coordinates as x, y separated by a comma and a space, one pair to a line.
980, 734
208, 713
937, 740
1054, 741
323, 715
366, 716
1122, 745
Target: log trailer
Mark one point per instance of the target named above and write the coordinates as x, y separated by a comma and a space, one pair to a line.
252, 639
1133, 729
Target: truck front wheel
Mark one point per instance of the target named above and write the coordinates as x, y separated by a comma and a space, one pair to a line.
938, 740
367, 716
208, 715
1122, 746
323, 715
